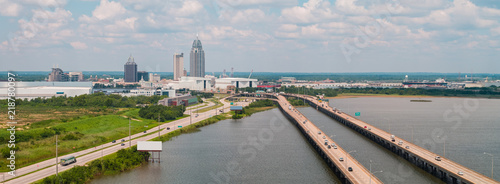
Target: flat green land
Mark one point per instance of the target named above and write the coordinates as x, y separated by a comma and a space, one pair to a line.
76, 134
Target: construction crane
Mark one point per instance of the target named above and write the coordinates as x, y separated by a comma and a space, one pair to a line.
250, 74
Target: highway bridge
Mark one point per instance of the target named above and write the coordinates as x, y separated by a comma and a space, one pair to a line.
442, 168
344, 165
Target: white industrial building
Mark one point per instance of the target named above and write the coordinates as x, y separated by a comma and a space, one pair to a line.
149, 92
31, 90
209, 83
222, 83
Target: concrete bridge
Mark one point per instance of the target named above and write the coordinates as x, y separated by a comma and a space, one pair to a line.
347, 169
442, 168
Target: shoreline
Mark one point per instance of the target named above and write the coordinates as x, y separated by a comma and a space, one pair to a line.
364, 95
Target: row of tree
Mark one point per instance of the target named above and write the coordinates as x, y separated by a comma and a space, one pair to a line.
90, 100
164, 113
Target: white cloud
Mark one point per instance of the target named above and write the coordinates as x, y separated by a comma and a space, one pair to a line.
460, 14
108, 10
79, 45
495, 31
309, 12
45, 3
244, 16
188, 8
288, 27
9, 8
312, 30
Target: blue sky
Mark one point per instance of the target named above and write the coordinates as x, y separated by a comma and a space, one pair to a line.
263, 35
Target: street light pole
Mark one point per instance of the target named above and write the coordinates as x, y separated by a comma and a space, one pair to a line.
444, 148
159, 126
354, 151
129, 136
57, 165
491, 163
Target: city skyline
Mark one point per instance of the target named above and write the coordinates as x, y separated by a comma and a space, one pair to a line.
266, 36
197, 59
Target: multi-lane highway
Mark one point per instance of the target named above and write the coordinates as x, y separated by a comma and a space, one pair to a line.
445, 164
341, 158
47, 168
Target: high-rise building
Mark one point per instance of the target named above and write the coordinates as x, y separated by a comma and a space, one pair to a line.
130, 70
142, 75
75, 76
154, 77
197, 60
57, 75
178, 66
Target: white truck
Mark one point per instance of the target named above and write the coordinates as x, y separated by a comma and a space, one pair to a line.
392, 138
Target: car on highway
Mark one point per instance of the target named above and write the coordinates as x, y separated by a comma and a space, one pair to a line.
350, 169
123, 140
68, 160
329, 147
114, 141
123, 144
407, 147
460, 173
144, 131
319, 132
438, 158
400, 143
341, 159
324, 137
334, 147
168, 128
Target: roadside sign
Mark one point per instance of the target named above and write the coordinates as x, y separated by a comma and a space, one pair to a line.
179, 126
357, 114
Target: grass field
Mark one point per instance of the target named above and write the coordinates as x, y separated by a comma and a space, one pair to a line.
31, 114
91, 131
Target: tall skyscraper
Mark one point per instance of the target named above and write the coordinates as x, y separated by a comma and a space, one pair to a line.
57, 75
178, 66
197, 60
130, 70
142, 75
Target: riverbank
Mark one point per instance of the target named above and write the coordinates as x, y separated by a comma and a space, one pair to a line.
93, 169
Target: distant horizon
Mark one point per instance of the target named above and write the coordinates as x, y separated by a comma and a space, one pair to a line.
228, 72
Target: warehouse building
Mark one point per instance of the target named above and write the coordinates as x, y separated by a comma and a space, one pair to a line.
32, 90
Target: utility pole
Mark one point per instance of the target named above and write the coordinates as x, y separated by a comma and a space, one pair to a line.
491, 163
57, 165
444, 148
159, 126
129, 136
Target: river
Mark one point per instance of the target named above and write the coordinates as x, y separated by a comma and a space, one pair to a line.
267, 148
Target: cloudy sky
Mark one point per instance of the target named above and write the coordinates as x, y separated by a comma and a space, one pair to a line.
263, 35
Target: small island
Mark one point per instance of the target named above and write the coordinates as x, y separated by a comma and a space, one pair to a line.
420, 100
